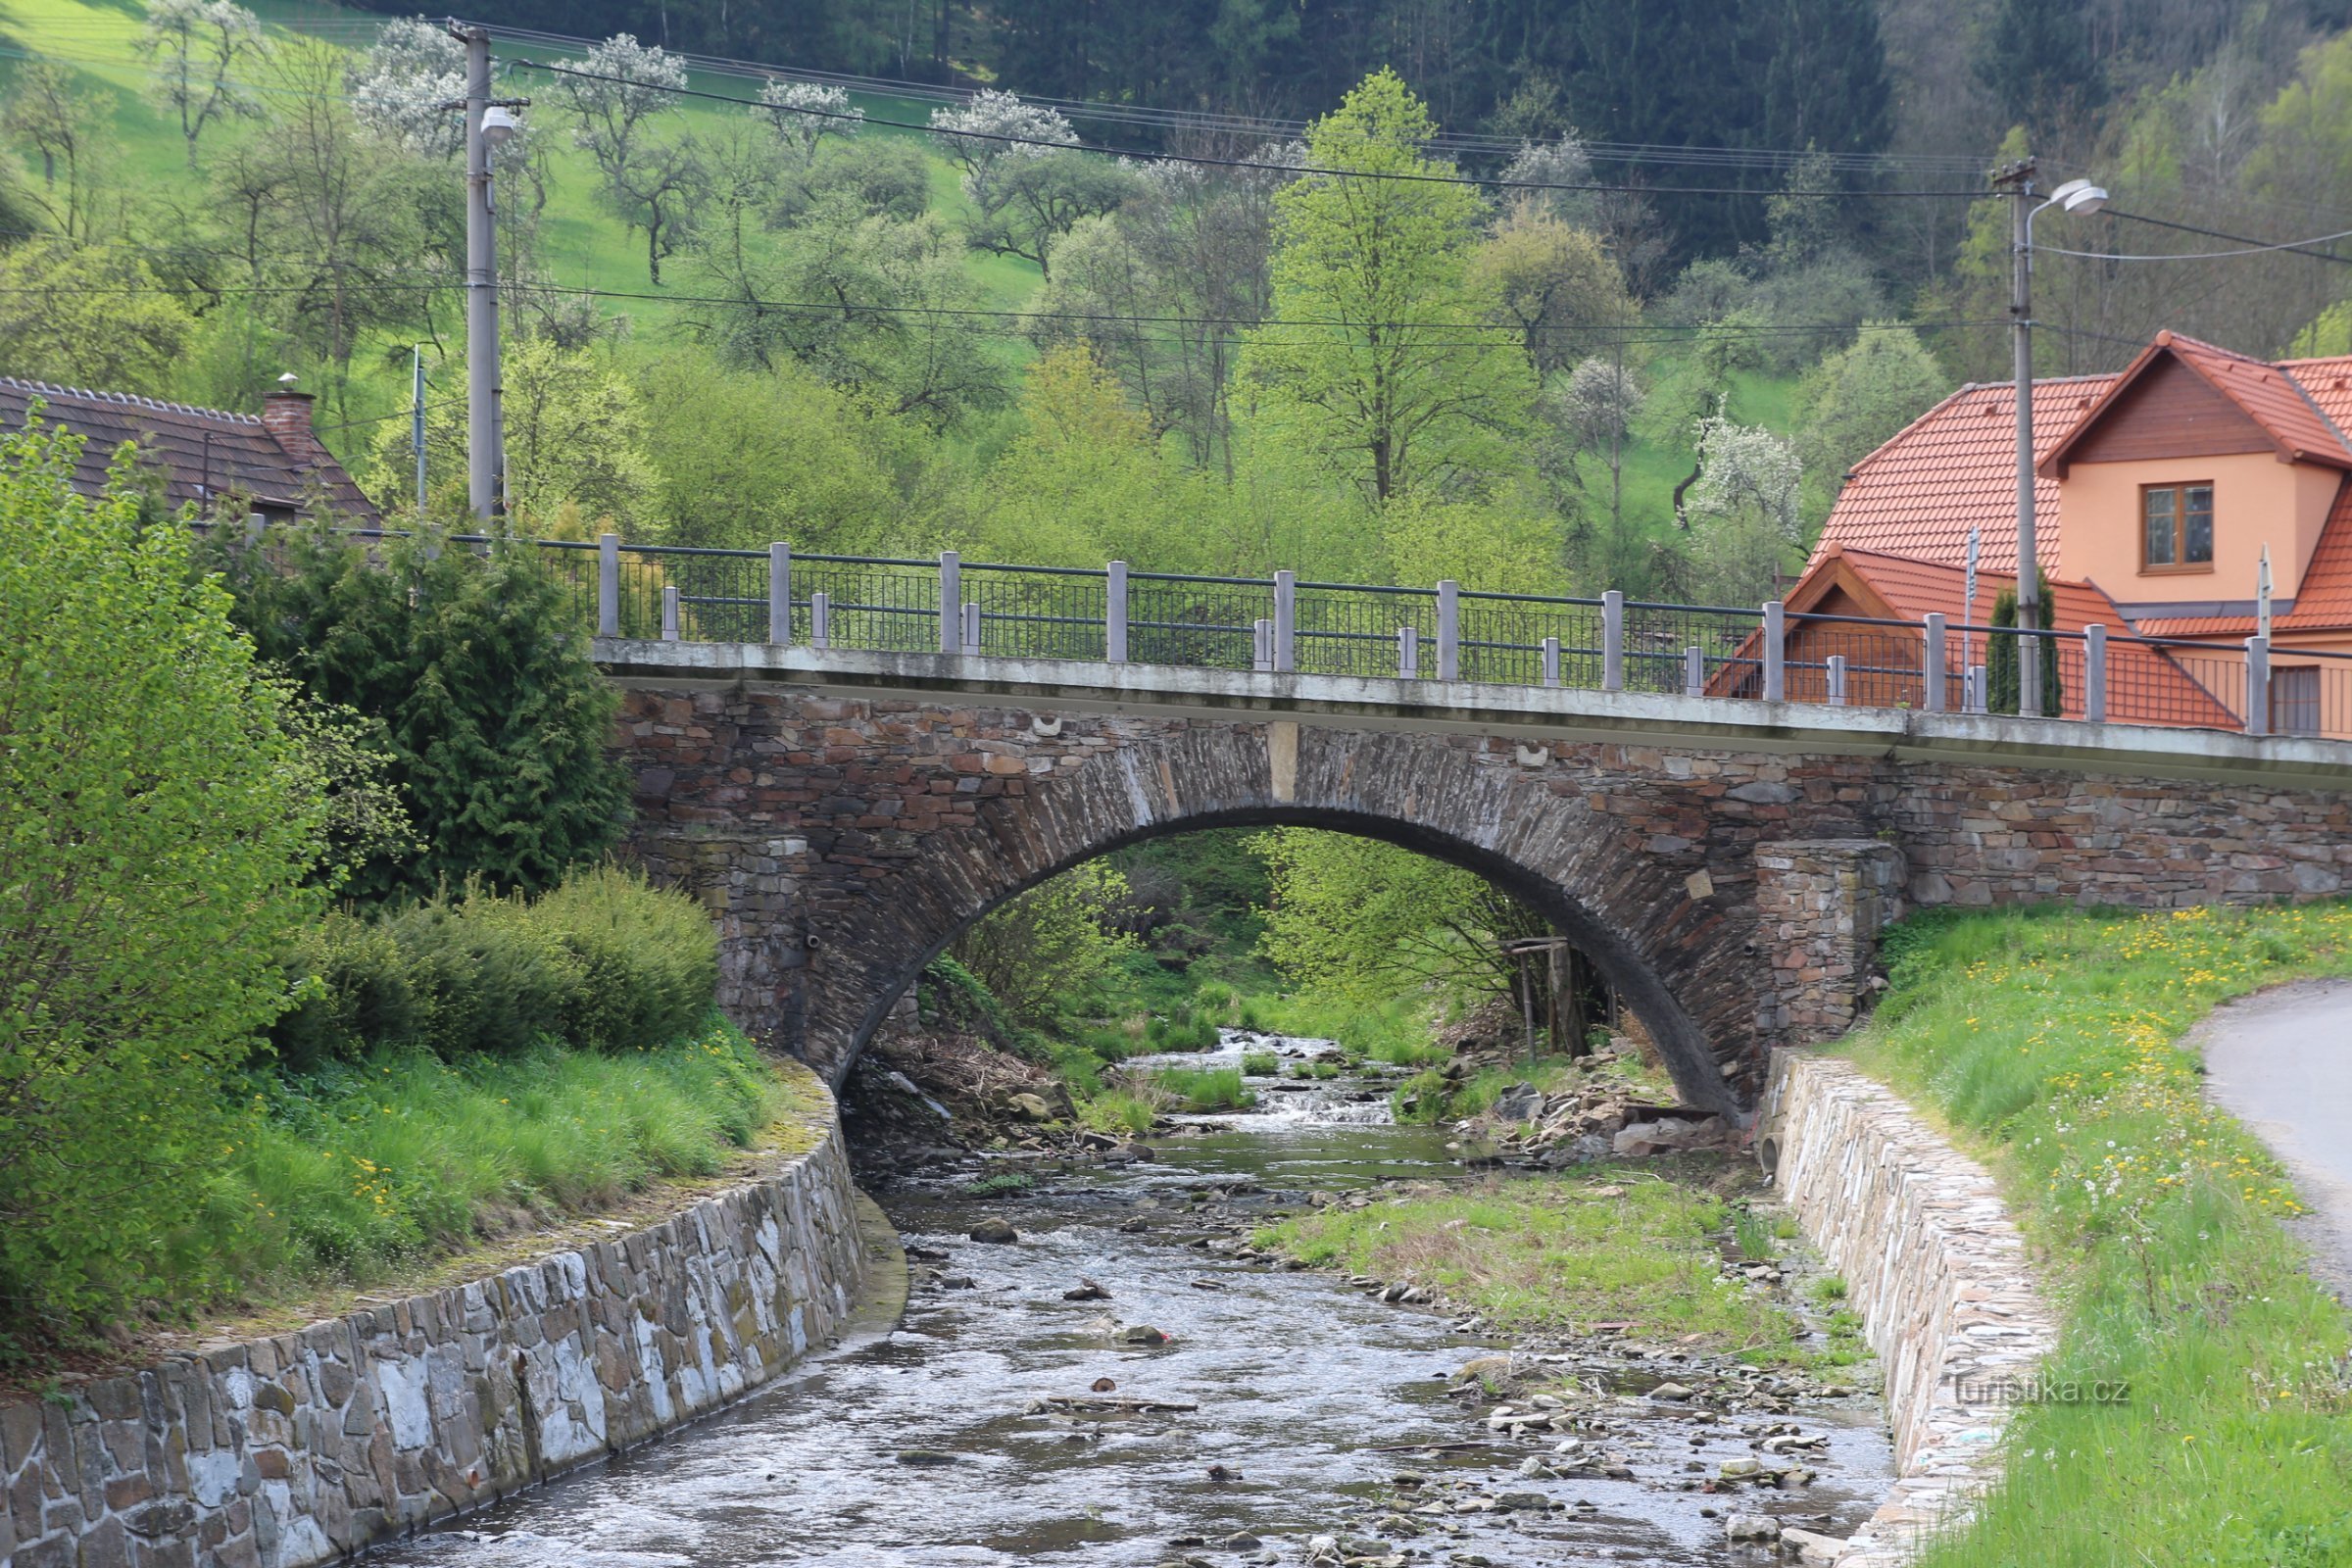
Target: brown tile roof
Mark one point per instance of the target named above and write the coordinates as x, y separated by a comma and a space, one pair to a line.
1955, 469
2273, 400
203, 452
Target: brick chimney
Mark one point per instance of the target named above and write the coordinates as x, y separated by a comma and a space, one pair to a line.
286, 415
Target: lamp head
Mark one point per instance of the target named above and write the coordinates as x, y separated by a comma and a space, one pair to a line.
2080, 196
498, 124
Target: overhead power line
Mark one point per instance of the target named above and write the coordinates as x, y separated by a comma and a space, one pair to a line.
2253, 247
1201, 159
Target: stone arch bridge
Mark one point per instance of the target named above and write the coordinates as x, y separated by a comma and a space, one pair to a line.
1727, 866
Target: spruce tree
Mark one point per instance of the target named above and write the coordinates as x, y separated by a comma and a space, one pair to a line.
2001, 661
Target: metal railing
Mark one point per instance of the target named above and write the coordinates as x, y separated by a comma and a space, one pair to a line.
1446, 633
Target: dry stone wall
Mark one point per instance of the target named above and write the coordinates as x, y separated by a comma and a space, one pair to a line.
294, 1450
1935, 1267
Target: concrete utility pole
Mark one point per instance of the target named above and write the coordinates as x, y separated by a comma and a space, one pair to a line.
485, 444
2018, 180
417, 422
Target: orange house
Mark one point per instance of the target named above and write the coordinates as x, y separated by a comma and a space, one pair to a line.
2160, 491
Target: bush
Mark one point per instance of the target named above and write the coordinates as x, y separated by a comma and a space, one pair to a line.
602, 962
1205, 1088
157, 825
1260, 1065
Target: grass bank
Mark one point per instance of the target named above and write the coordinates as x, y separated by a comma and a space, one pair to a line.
1560, 1253
2049, 1042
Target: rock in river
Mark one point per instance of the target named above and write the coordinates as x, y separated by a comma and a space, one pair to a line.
994, 1228
1751, 1526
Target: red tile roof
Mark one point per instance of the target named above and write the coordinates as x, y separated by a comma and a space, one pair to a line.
2323, 598
2273, 400
202, 453
1955, 469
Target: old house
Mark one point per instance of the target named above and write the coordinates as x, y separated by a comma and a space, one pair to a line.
272, 462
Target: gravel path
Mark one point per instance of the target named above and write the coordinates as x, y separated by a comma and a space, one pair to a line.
2281, 1063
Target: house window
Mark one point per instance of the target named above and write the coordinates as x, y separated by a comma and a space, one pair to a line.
2295, 701
2176, 528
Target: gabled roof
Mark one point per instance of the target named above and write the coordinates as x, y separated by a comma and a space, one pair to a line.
1955, 469
202, 453
2281, 409
2146, 685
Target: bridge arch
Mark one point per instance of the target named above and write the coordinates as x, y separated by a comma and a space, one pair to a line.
1658, 934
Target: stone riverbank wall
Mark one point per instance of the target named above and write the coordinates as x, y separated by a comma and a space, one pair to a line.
301, 1448
1935, 1267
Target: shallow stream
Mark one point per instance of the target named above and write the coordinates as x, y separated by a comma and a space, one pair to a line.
929, 1449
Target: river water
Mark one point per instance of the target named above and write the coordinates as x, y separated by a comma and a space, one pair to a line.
927, 1447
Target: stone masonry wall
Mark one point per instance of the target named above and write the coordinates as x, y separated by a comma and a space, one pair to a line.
294, 1450
1933, 1264
1733, 895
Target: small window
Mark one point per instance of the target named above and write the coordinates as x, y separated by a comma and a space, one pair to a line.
2176, 528
2295, 701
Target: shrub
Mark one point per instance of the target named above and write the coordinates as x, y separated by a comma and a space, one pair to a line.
157, 824
603, 962
1260, 1065
1205, 1088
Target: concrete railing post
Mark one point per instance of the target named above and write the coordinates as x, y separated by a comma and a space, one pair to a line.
972, 626
780, 593
2258, 685
1931, 665
1114, 614
255, 522
1978, 697
1261, 646
1612, 641
1776, 652
607, 585
1408, 652
2095, 674
1449, 630
670, 612
1552, 660
1695, 672
1286, 620
820, 619
951, 601
1837, 680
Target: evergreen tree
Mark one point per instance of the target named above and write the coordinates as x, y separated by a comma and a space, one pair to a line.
2000, 659
478, 688
2034, 58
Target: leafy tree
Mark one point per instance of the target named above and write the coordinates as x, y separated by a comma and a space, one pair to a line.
1379, 362
1050, 941
780, 454
1857, 398
200, 50
495, 723
1547, 281
2002, 678
1506, 545
804, 116
1744, 517
1028, 195
403, 83
620, 86
1084, 482
868, 302
1372, 921
575, 438
66, 129
94, 317
156, 821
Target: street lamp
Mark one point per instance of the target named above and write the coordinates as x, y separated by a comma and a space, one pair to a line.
2076, 196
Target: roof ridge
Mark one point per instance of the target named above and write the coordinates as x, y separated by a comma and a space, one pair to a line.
129, 400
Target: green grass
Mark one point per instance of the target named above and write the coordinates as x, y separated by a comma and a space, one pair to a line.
1260, 1065
1556, 1253
1399, 1031
352, 1168
1181, 1029
1119, 1110
1002, 1182
1752, 1234
2049, 1042
1205, 1088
